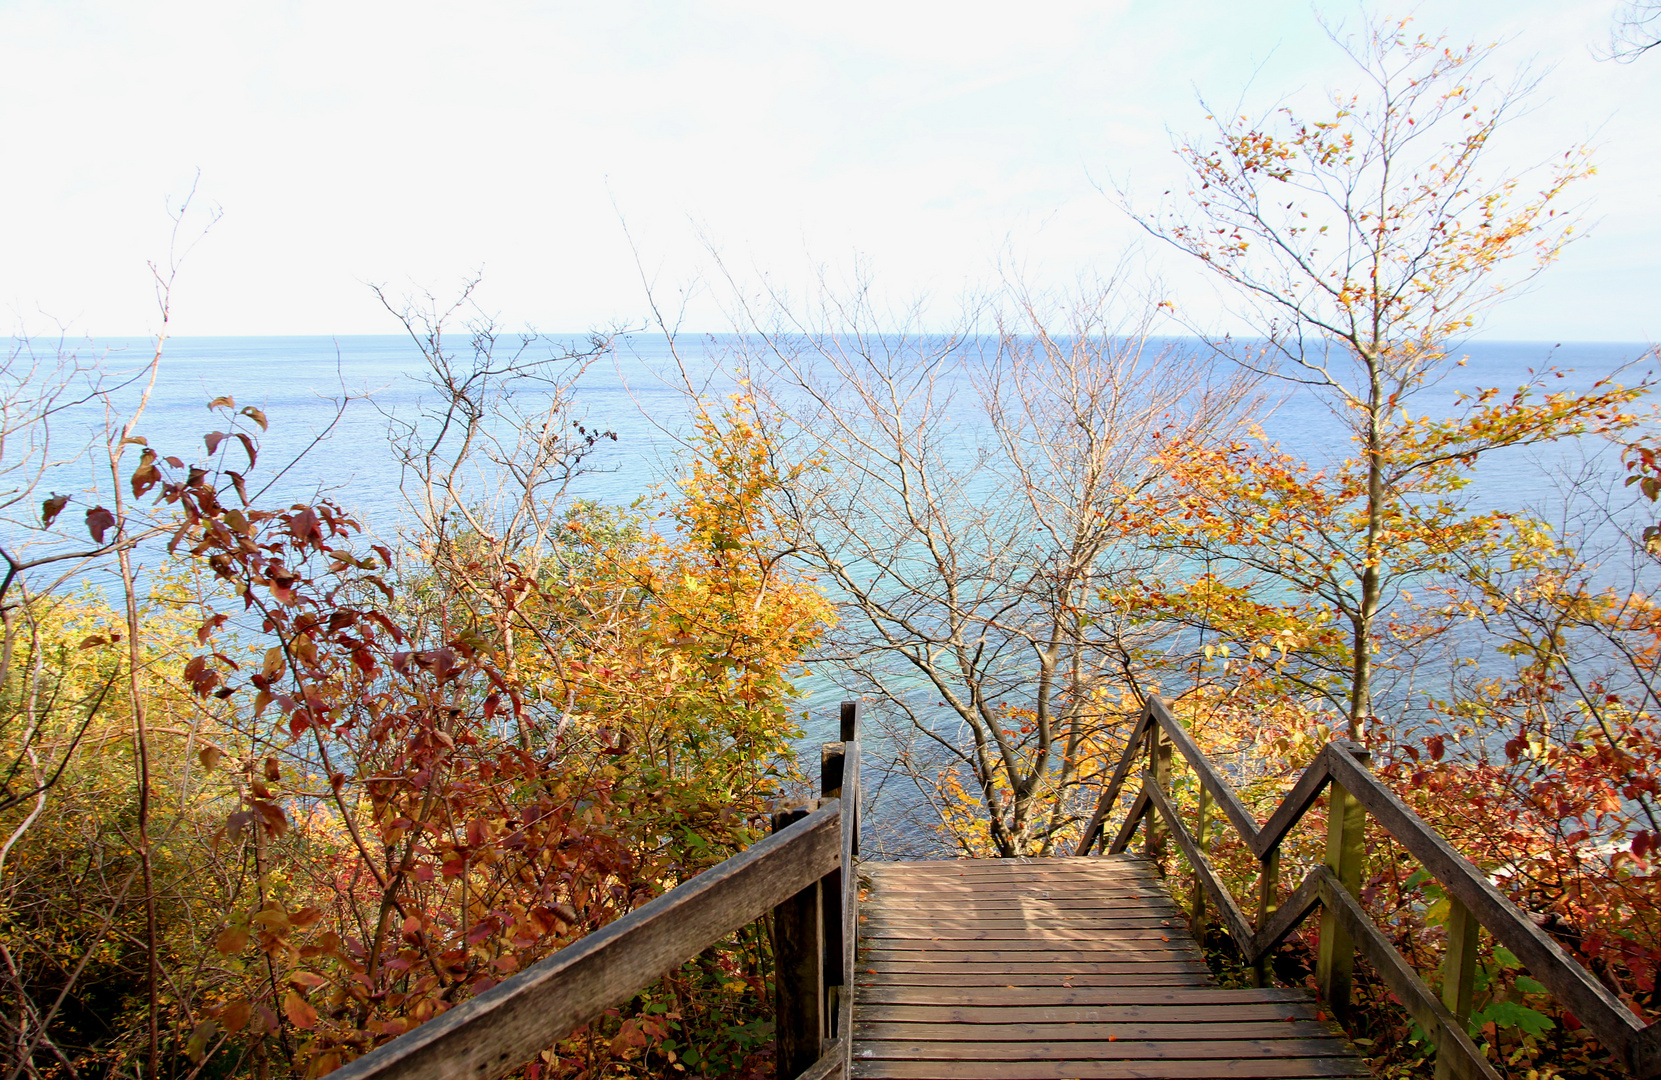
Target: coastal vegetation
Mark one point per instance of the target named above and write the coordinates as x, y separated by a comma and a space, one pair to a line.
286, 787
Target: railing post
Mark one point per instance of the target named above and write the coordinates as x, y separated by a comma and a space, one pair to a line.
1458, 975
850, 735
1345, 851
1268, 901
798, 973
1198, 905
1159, 766
850, 880
832, 762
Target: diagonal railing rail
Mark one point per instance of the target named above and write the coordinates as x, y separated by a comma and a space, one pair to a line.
1346, 928
802, 877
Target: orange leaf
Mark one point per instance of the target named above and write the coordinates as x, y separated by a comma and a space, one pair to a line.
299, 1013
234, 1015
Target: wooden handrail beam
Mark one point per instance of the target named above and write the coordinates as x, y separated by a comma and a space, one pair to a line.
1287, 918
1467, 1061
511, 1023
1296, 804
1213, 782
1138, 810
1592, 1004
1589, 1000
1110, 794
1240, 928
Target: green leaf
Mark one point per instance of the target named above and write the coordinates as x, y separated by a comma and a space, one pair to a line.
1508, 1014
1529, 986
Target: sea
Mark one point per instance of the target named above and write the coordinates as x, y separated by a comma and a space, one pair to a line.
334, 405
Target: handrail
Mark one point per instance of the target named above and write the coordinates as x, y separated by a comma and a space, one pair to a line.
809, 855
1345, 926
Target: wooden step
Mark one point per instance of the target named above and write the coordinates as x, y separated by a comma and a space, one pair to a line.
1059, 968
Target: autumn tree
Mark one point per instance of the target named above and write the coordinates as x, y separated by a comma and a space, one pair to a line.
1360, 243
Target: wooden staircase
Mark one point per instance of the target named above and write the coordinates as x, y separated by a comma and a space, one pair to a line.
1055, 968
1059, 967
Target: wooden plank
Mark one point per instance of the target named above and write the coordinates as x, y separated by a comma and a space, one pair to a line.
1028, 949
1078, 920
1040, 863
1175, 973
1133, 929
1016, 960
1458, 972
892, 892
832, 766
886, 904
1020, 860
1025, 975
967, 907
970, 1016
849, 853
1279, 1068
1125, 865
511, 1023
1346, 853
1286, 918
1102, 1050
876, 1030
1268, 903
1072, 885
1159, 764
1078, 884
1183, 971
1070, 934
1061, 995
1003, 927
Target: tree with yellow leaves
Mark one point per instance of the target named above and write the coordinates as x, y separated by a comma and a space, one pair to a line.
1360, 244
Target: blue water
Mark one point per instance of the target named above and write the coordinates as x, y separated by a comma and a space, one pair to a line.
330, 401
299, 381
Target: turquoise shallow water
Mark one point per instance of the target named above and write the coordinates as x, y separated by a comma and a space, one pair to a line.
299, 382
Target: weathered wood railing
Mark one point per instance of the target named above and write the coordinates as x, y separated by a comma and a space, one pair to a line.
803, 874
1333, 887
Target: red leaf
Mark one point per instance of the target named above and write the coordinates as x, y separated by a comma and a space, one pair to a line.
146, 476
51, 508
303, 526
99, 521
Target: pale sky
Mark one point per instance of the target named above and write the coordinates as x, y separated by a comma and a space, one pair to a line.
348, 142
